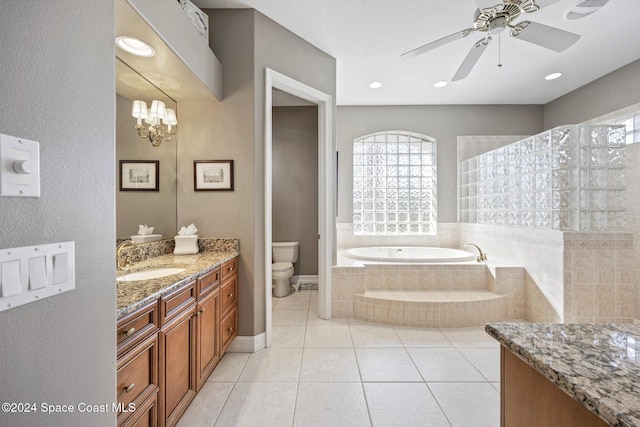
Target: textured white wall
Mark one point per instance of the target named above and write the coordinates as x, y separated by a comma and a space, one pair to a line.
58, 88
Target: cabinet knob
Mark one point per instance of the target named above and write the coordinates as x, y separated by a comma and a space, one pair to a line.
201, 310
230, 329
230, 295
230, 268
130, 332
128, 389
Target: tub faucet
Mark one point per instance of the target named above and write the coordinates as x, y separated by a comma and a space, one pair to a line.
126, 262
481, 255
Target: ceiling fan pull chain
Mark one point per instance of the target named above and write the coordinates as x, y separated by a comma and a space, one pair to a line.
499, 52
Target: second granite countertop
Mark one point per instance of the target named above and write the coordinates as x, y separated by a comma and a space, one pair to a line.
132, 295
598, 365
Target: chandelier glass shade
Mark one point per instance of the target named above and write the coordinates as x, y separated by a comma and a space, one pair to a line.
155, 117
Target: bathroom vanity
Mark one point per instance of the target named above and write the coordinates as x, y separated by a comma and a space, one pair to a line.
171, 333
567, 375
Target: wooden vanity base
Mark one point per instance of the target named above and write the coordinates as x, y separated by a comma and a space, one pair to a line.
529, 399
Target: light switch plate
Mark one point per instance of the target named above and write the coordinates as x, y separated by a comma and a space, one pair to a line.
19, 167
32, 273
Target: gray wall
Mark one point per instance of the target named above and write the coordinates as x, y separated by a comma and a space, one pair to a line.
611, 92
295, 182
154, 208
442, 122
245, 42
58, 88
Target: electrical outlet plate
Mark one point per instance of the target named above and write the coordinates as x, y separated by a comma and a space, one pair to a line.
32, 273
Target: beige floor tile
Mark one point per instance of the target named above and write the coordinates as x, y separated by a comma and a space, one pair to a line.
373, 335
295, 301
289, 317
386, 365
486, 360
259, 405
403, 404
284, 336
207, 405
230, 367
468, 404
329, 365
422, 337
444, 364
277, 365
328, 335
473, 336
331, 404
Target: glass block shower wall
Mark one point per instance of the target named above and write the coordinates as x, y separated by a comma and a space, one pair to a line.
567, 178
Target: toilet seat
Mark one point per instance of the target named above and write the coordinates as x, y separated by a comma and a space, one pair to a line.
281, 266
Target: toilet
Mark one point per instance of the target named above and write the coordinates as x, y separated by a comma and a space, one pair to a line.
284, 255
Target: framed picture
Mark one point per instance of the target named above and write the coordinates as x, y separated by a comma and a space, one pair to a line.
213, 175
139, 175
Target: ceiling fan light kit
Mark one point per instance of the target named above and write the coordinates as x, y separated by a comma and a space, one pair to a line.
493, 20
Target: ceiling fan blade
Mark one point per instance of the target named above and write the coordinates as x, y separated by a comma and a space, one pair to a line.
471, 59
440, 42
544, 35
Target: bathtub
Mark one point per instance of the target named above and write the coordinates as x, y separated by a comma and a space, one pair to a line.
415, 254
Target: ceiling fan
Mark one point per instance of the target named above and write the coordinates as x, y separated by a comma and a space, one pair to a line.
492, 20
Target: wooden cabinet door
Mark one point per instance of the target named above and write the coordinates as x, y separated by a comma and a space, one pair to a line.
146, 415
208, 341
177, 379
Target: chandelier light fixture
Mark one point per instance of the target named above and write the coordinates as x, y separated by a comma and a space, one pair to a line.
157, 115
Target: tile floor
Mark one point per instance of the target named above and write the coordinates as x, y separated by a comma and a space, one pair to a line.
345, 372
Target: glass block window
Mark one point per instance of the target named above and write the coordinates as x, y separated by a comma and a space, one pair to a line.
394, 184
631, 123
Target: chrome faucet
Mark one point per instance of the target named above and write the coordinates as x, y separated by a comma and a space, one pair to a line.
127, 262
481, 255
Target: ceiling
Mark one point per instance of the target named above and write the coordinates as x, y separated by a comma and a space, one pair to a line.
367, 38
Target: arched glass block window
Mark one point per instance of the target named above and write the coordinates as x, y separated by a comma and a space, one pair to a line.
394, 184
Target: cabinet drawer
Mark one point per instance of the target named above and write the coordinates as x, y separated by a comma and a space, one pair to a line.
208, 282
229, 295
229, 268
172, 304
136, 326
137, 376
228, 329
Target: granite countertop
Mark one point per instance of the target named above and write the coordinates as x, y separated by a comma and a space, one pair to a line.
135, 294
596, 364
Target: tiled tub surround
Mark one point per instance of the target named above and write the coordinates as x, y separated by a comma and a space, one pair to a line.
135, 294
434, 295
567, 178
567, 276
597, 365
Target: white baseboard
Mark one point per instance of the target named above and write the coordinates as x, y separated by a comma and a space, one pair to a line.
247, 344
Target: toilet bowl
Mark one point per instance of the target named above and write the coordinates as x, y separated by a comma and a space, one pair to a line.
285, 254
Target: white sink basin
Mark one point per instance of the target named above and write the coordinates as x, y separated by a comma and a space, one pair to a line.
156, 273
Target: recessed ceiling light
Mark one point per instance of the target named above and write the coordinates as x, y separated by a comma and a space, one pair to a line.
375, 85
134, 46
441, 84
553, 76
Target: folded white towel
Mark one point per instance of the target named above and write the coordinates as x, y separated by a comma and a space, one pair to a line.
143, 230
190, 230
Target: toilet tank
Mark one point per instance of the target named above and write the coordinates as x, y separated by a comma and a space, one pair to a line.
285, 251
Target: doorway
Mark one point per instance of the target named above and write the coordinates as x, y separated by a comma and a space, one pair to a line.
275, 80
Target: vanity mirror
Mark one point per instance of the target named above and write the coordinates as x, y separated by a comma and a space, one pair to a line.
153, 208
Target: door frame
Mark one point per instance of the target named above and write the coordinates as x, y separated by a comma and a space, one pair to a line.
274, 79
